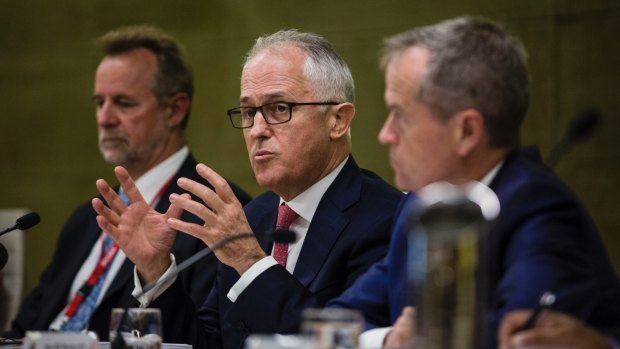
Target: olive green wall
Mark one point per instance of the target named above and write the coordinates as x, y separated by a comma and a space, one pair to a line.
49, 157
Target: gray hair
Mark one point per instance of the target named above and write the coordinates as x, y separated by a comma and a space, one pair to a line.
474, 63
174, 73
326, 70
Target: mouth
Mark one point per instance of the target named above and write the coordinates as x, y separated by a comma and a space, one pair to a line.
112, 141
263, 155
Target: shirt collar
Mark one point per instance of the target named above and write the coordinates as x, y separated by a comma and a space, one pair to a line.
306, 203
488, 178
152, 181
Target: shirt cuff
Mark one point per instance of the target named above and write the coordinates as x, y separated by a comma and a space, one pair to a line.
374, 338
252, 273
147, 298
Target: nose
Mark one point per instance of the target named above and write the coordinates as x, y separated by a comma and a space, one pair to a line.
106, 116
387, 135
260, 128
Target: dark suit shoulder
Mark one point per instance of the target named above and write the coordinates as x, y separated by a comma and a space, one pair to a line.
523, 177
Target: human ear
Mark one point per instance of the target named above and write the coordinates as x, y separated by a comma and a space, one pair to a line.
340, 120
469, 131
179, 106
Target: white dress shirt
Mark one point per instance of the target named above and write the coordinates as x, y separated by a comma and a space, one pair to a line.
149, 185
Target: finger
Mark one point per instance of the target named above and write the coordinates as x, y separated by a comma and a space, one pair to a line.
128, 185
105, 212
207, 195
110, 196
531, 338
509, 325
110, 229
218, 182
175, 210
199, 210
195, 230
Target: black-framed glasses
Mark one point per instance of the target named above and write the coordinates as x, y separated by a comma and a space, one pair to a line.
273, 113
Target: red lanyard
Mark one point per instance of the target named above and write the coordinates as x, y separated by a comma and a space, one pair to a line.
103, 264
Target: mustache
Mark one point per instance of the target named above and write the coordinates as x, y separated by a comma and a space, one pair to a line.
104, 135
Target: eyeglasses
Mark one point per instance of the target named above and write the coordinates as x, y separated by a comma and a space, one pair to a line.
273, 113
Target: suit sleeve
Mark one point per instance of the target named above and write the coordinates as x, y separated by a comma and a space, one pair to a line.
369, 294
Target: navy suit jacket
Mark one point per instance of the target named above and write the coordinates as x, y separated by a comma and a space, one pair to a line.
348, 233
542, 240
75, 243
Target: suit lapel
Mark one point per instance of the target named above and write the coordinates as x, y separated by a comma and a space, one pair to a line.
329, 222
73, 260
268, 202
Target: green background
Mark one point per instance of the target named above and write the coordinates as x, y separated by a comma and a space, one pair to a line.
49, 156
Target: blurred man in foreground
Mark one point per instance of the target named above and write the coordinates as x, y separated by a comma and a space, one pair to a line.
457, 93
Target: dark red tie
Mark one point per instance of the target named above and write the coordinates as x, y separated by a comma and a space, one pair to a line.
286, 216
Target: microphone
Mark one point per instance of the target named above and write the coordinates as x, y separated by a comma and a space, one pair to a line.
277, 235
579, 129
24, 222
4, 256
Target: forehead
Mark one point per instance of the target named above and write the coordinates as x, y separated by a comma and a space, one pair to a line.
275, 73
404, 73
133, 69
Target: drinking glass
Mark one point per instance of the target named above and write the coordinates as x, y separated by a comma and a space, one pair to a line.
331, 328
139, 328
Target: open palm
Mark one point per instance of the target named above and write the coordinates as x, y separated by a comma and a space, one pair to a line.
141, 232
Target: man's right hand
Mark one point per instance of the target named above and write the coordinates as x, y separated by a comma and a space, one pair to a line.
140, 231
553, 330
403, 331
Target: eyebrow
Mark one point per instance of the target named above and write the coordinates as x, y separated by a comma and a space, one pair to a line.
267, 97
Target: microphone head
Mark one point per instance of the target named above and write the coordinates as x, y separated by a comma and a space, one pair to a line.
4, 256
284, 236
582, 125
27, 221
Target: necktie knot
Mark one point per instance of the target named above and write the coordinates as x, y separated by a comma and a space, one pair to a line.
286, 216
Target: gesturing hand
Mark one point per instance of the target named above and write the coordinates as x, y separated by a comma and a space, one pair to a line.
223, 216
141, 232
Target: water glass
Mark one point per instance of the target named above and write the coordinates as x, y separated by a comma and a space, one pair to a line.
331, 328
140, 328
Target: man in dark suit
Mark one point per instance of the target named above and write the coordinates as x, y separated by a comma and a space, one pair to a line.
296, 110
457, 93
143, 91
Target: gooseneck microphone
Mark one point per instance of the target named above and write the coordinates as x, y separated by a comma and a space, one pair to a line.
579, 129
24, 222
278, 235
